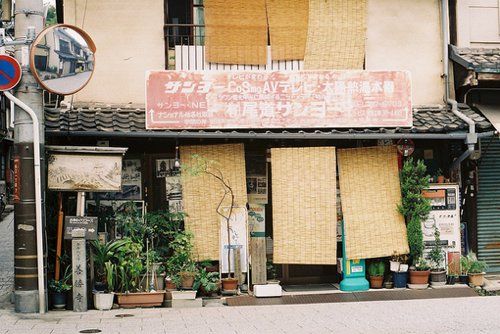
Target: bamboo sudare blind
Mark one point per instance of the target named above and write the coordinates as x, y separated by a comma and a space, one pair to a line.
236, 32
370, 193
202, 193
304, 209
336, 35
287, 28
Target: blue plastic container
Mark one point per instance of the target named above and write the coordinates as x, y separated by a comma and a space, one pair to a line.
400, 279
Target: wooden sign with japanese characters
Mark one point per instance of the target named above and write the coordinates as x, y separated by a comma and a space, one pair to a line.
277, 99
89, 224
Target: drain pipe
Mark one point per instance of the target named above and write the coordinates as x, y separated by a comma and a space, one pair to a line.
471, 138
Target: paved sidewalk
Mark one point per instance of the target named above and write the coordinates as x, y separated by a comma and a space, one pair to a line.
453, 315
6, 258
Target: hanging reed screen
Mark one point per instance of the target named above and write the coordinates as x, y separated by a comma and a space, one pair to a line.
202, 194
336, 35
236, 31
304, 209
370, 192
287, 28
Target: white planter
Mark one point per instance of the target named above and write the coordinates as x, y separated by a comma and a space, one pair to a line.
403, 267
187, 294
267, 290
103, 301
394, 265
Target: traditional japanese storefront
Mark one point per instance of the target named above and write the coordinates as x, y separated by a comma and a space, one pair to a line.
150, 171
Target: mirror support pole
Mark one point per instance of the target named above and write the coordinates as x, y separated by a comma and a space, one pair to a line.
38, 198
29, 239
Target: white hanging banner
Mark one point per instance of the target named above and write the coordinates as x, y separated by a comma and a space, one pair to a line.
239, 239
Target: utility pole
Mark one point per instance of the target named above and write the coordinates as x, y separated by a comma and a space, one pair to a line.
28, 13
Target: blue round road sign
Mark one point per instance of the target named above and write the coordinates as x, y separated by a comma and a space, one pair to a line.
10, 72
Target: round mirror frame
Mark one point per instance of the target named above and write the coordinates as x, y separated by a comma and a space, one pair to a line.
37, 40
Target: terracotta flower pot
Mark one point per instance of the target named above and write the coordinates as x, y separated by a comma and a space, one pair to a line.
169, 285
419, 277
229, 284
376, 282
476, 279
440, 179
187, 280
140, 299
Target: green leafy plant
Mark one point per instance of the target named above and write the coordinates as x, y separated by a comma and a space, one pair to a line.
129, 266
475, 266
272, 270
203, 166
130, 223
61, 285
181, 259
103, 253
414, 207
376, 268
206, 282
110, 275
464, 264
436, 255
161, 227
422, 264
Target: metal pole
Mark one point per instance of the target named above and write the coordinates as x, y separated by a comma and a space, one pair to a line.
38, 199
29, 294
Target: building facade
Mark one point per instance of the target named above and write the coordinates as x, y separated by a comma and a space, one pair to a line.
173, 36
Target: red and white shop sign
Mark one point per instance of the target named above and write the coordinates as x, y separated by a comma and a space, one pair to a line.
277, 99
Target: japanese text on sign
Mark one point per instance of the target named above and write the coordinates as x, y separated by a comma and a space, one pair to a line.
304, 99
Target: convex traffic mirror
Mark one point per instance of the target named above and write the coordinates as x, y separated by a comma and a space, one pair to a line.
62, 59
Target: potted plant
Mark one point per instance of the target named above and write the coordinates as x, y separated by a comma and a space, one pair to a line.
208, 167
59, 289
376, 271
180, 264
272, 273
399, 269
464, 269
206, 282
129, 268
439, 176
438, 273
104, 300
419, 274
415, 208
103, 253
476, 271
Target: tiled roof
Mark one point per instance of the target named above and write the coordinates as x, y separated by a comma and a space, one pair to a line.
477, 59
426, 119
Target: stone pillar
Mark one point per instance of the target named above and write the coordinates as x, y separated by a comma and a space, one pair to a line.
79, 262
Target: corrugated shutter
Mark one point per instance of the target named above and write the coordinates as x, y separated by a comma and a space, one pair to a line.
488, 205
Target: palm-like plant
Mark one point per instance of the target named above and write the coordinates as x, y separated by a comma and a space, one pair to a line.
103, 253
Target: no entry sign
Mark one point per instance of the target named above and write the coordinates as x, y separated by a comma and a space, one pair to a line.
10, 72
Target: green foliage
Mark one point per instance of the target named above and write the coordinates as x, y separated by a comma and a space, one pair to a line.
181, 259
161, 227
421, 264
110, 275
415, 208
51, 18
272, 270
63, 284
206, 281
436, 254
472, 264
130, 223
129, 265
103, 253
376, 268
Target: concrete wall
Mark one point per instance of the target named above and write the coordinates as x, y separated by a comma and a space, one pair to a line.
128, 36
406, 35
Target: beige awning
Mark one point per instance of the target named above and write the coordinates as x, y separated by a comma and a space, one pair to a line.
492, 113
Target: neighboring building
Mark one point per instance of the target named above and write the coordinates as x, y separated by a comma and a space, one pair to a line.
137, 38
475, 52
